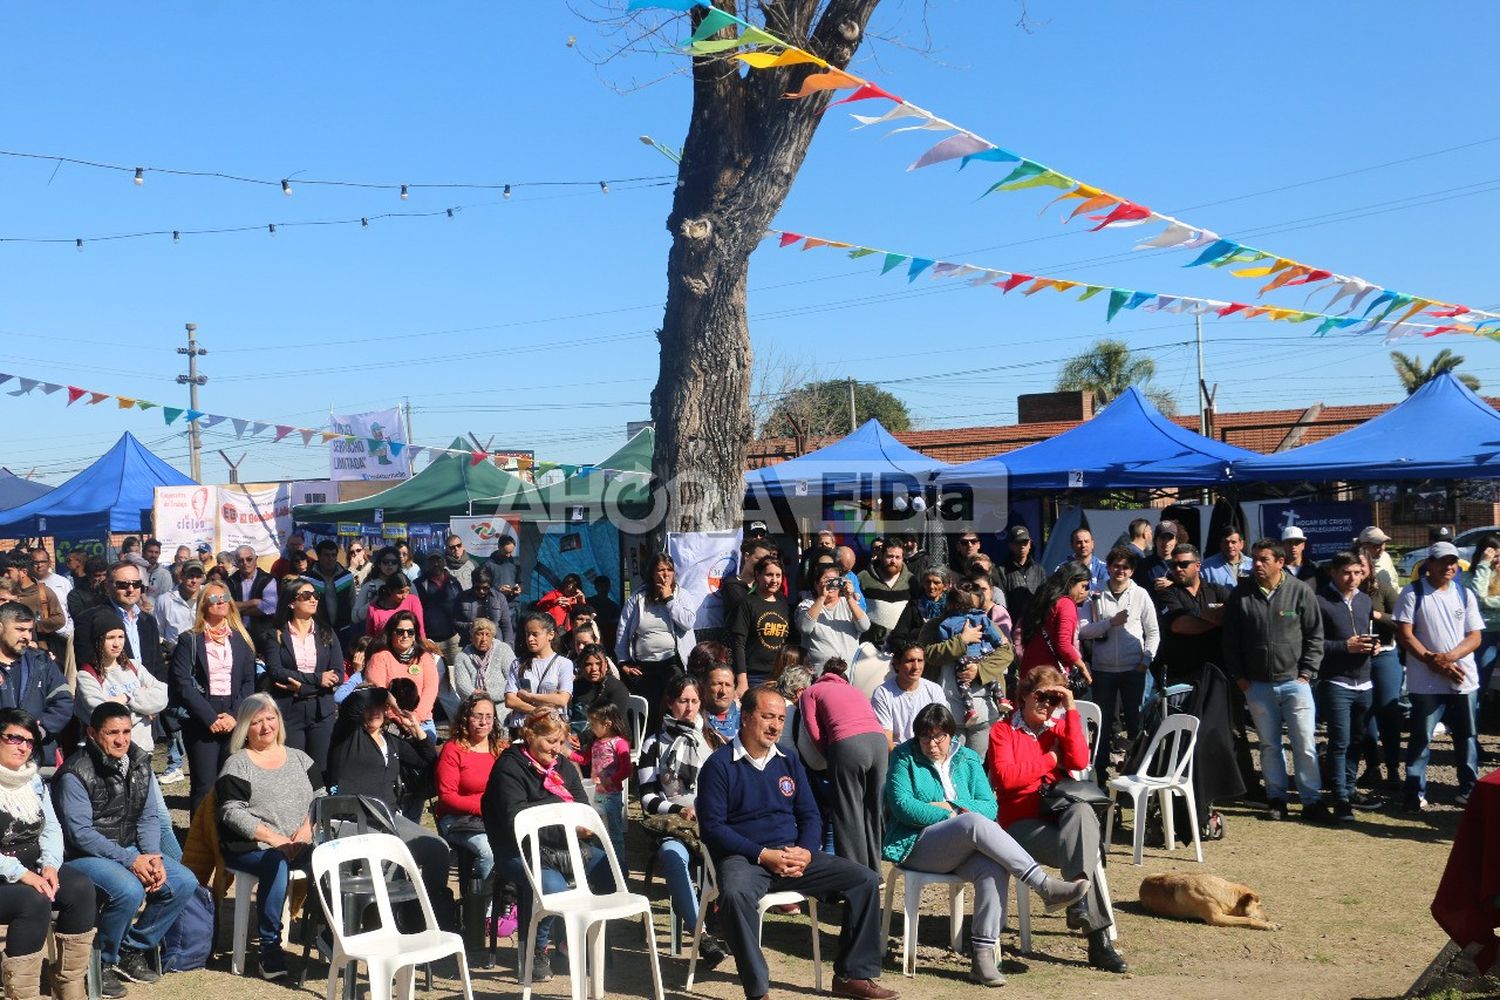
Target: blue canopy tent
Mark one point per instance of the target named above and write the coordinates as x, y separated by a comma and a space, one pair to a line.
15, 491
1441, 431
1129, 445
112, 495
870, 451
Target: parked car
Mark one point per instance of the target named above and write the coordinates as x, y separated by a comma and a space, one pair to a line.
1465, 543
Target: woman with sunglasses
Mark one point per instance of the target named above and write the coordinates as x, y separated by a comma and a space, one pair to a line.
305, 665
404, 656
213, 671
384, 566
1035, 746
33, 882
357, 561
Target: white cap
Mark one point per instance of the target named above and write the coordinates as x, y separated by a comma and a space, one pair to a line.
1373, 536
1292, 533
1442, 550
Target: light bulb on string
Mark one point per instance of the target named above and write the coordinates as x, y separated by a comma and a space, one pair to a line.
506, 192
604, 186
79, 244
286, 187
364, 223
404, 193
140, 176
176, 236
450, 213
271, 228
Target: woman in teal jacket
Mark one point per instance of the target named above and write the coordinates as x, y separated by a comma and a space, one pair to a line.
940, 818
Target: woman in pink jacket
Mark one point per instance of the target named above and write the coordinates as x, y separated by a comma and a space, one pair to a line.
1049, 625
841, 724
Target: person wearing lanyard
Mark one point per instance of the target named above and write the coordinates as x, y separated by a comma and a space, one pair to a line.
305, 665
1345, 689
541, 678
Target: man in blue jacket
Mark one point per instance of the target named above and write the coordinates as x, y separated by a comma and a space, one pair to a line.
760, 823
30, 679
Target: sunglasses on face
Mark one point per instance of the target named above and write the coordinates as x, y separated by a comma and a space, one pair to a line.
405, 631
127, 585
1185, 564
307, 595
17, 740
218, 598
969, 541
1048, 699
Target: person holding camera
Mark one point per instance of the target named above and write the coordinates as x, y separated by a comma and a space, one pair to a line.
831, 620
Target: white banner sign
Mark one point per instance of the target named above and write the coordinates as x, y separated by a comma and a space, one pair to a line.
184, 515
481, 535
702, 558
260, 519
377, 451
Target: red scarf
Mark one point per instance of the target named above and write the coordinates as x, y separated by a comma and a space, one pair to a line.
551, 780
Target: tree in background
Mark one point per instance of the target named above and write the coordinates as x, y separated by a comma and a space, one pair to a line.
821, 409
745, 144
1413, 376
1107, 369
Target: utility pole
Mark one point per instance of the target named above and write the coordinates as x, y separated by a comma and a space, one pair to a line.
234, 466
406, 420
193, 380
853, 426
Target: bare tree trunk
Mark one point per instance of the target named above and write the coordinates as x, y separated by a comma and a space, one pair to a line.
745, 144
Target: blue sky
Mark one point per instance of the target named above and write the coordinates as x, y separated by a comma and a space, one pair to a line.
531, 319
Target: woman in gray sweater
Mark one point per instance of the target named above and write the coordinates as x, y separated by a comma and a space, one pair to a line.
265, 793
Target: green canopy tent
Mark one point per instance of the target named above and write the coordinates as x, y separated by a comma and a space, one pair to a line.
452, 486
620, 482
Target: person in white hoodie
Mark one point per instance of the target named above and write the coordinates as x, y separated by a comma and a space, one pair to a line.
106, 673
1120, 621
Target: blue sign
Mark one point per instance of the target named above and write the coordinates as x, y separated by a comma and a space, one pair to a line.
1329, 527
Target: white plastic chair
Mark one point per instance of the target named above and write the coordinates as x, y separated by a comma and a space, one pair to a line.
710, 892
1023, 906
583, 911
1092, 717
915, 882
386, 950
637, 713
1179, 733
244, 886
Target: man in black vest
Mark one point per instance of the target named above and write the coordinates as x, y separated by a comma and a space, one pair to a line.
106, 804
254, 592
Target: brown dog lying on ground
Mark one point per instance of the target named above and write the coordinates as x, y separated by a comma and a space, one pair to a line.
1208, 898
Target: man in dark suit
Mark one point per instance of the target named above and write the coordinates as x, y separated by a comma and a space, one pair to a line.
122, 595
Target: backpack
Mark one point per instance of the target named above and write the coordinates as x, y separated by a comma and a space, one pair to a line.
190, 939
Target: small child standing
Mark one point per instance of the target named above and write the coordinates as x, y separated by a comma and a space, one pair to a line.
609, 765
990, 639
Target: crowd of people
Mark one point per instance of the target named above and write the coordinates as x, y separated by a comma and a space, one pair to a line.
844, 714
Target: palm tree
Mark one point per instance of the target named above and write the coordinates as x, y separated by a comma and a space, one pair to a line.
1107, 369
1413, 376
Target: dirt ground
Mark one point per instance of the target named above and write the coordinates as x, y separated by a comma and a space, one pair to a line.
1352, 903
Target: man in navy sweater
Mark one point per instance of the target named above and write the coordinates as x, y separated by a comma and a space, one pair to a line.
757, 816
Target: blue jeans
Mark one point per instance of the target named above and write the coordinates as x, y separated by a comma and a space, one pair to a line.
123, 895
597, 873
1271, 705
1343, 711
476, 845
1129, 686
611, 808
272, 868
677, 870
1386, 716
1457, 713
169, 845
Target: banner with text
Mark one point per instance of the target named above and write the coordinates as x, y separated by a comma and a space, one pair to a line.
184, 515
260, 519
702, 559
1329, 527
372, 448
481, 535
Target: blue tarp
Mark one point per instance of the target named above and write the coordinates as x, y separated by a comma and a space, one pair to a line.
870, 451
109, 496
1129, 445
15, 491
1441, 431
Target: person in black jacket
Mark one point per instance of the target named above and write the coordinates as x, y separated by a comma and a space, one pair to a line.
533, 771
366, 759
213, 671
122, 595
30, 680
1345, 691
305, 663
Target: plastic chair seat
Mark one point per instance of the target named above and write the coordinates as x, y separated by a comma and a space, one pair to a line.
244, 885
1180, 734
915, 882
710, 892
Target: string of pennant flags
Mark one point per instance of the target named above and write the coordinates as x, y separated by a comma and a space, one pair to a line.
244, 427
1117, 298
763, 50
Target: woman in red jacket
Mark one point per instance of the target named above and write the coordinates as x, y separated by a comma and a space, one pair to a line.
463, 772
1049, 627
1039, 744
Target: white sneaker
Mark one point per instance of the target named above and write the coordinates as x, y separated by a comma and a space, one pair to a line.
172, 777
1439, 730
